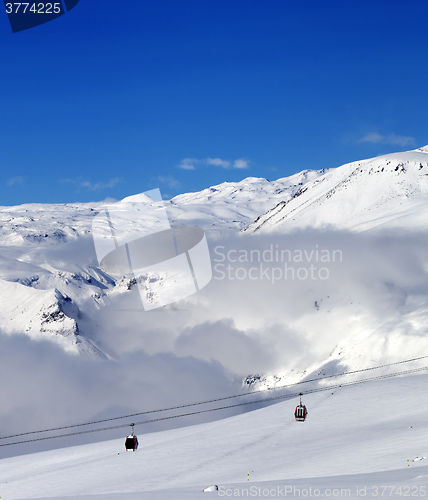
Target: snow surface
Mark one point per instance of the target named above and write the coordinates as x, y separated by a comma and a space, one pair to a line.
354, 436
389, 191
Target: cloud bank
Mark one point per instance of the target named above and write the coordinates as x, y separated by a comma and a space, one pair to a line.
194, 163
15, 180
93, 186
390, 139
260, 314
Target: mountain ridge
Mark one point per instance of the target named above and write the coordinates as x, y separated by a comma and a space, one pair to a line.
343, 197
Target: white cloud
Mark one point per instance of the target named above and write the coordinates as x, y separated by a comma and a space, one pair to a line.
100, 185
241, 163
282, 329
188, 164
393, 139
93, 186
192, 163
218, 162
14, 180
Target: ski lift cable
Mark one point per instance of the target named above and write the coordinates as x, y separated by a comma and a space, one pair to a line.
215, 400
260, 401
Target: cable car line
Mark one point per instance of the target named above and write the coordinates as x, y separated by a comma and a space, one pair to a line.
260, 401
215, 400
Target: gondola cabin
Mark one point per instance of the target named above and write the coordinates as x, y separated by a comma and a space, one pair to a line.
131, 441
301, 412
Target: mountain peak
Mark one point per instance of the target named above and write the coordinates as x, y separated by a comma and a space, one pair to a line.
389, 191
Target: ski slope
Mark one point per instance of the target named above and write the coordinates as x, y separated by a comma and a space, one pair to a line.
354, 437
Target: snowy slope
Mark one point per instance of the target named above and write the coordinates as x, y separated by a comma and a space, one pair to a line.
43, 314
389, 191
350, 433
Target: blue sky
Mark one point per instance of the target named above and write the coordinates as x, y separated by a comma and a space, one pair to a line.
115, 98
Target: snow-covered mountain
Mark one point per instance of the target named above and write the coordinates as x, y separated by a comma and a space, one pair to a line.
387, 192
218, 208
229, 206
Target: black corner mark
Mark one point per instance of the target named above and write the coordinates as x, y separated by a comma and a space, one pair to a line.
26, 15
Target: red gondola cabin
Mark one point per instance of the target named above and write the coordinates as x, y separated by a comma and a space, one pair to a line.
301, 412
131, 442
